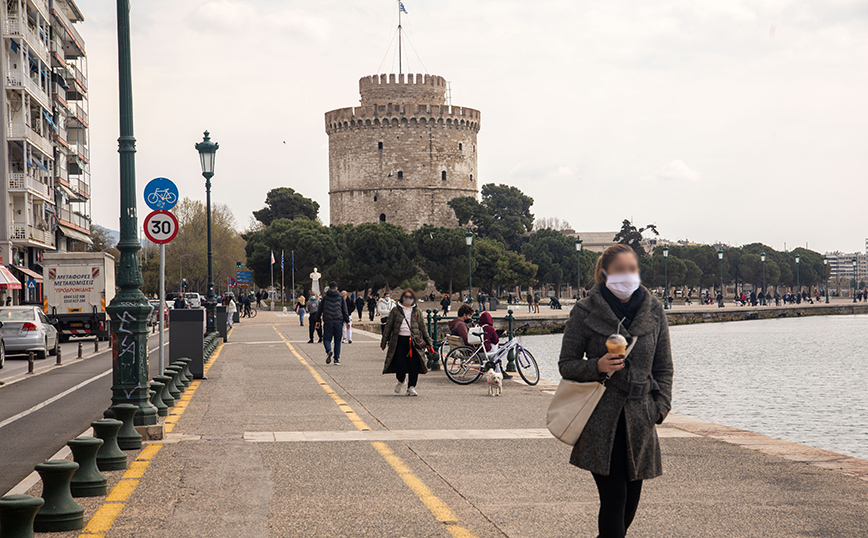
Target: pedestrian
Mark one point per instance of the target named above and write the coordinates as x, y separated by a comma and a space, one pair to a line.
230, 311
334, 316
407, 340
258, 298
459, 326
385, 306
372, 306
179, 302
480, 300
245, 306
529, 302
619, 443
490, 340
445, 304
300, 308
360, 305
313, 322
348, 329
536, 303
720, 299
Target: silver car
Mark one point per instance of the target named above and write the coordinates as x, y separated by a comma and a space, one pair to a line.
26, 328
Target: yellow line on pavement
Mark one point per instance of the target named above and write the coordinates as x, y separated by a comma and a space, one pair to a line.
103, 519
437, 507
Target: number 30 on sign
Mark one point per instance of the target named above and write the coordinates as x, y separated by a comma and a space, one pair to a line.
161, 226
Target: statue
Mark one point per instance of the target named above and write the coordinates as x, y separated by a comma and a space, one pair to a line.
314, 286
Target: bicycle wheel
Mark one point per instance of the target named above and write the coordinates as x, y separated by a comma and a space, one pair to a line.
252, 313
526, 366
463, 365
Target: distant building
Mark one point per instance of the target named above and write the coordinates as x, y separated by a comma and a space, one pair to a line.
594, 241
841, 265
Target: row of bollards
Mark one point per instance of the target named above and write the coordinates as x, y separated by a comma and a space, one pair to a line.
63, 480
210, 345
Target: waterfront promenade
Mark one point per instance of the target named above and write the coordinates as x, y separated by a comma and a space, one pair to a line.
277, 444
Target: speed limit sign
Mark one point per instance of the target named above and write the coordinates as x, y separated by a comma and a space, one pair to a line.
161, 226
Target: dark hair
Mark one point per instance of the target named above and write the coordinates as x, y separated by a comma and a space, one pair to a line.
333, 285
606, 258
411, 292
464, 310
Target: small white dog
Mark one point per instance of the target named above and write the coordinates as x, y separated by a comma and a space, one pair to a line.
495, 382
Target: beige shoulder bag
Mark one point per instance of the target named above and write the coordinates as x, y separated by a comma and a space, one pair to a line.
572, 405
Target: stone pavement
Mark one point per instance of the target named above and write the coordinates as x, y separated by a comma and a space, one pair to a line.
277, 444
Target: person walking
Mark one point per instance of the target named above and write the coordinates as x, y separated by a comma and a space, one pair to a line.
445, 304
300, 308
313, 322
230, 311
536, 299
348, 328
360, 306
529, 302
245, 306
372, 306
480, 300
385, 306
619, 443
334, 316
407, 340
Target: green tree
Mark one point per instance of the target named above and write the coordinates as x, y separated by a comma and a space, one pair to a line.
631, 236
555, 255
285, 203
692, 274
498, 267
442, 254
104, 241
503, 214
378, 255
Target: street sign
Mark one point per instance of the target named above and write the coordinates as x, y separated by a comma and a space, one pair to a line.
232, 282
31, 284
161, 226
161, 193
244, 276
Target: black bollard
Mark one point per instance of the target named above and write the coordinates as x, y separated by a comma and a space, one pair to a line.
79, 350
16, 515
175, 387
60, 512
87, 480
29, 362
110, 457
128, 437
59, 353
183, 373
156, 400
166, 396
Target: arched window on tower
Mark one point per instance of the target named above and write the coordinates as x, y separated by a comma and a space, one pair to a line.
382, 217
380, 146
400, 174
460, 147
443, 175
375, 196
471, 177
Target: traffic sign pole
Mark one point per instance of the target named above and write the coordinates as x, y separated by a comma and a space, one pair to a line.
162, 307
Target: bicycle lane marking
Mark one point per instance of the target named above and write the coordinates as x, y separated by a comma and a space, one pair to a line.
439, 509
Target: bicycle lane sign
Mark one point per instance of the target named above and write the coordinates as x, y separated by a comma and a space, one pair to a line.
161, 194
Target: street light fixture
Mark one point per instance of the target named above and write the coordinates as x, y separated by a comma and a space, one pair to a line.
825, 267
468, 238
666, 272
763, 258
720, 260
798, 282
207, 153
855, 278
579, 256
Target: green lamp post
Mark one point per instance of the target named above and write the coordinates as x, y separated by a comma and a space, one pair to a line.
855, 279
826, 269
720, 260
129, 310
666, 272
207, 153
468, 238
579, 273
798, 282
763, 258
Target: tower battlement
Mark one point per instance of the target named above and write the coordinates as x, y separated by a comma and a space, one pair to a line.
409, 88
376, 116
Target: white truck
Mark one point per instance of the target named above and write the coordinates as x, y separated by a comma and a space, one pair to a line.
77, 288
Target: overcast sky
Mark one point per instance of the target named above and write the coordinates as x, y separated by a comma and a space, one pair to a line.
734, 121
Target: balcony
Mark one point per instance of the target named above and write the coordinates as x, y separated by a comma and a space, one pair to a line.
76, 79
68, 218
31, 234
78, 114
74, 37
58, 93
19, 130
14, 26
81, 187
80, 150
18, 80
19, 181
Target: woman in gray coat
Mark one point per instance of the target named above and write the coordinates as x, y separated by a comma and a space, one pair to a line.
619, 444
407, 340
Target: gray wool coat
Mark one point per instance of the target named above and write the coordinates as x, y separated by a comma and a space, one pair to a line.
390, 338
591, 322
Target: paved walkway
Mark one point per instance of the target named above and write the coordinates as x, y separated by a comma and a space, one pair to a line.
277, 444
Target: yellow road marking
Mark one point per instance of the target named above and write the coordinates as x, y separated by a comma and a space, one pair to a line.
149, 452
439, 509
136, 469
122, 491
104, 517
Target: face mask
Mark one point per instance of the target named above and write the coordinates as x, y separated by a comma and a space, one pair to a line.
622, 285
408, 301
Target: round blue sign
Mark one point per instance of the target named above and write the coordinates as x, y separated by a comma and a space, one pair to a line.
161, 193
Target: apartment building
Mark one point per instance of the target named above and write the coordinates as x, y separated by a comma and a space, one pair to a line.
45, 200
841, 266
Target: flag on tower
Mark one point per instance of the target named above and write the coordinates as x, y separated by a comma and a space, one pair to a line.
403, 9
272, 257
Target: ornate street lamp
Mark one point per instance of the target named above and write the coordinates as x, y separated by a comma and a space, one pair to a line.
579, 256
826, 268
207, 152
129, 310
798, 282
468, 238
855, 279
666, 272
763, 258
720, 260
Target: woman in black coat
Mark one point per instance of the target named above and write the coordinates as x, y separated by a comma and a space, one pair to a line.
619, 444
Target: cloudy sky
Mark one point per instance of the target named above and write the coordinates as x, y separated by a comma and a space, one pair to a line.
731, 120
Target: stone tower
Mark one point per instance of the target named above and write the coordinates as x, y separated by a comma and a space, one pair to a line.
401, 155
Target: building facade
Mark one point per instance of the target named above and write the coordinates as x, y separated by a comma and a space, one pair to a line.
841, 266
402, 155
45, 199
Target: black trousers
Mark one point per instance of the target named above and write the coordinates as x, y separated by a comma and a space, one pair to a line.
405, 365
311, 327
619, 497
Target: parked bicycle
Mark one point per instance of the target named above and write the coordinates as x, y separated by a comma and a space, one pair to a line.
466, 364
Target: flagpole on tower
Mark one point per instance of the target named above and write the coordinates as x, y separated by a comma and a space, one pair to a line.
400, 9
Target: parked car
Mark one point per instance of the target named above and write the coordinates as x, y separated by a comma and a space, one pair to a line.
193, 299
27, 328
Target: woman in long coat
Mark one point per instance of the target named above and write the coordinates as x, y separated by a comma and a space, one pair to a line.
619, 444
407, 339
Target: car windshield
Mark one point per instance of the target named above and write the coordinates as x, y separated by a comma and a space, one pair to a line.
17, 314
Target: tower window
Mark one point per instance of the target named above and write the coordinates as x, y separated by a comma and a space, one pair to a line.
400, 174
443, 175
382, 217
471, 177
375, 197
460, 147
379, 145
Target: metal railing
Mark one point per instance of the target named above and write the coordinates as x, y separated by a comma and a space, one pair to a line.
58, 92
20, 130
21, 181
28, 232
70, 217
79, 113
16, 27
80, 149
70, 28
433, 319
17, 79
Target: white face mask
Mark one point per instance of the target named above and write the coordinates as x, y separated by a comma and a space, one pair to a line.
407, 301
622, 285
